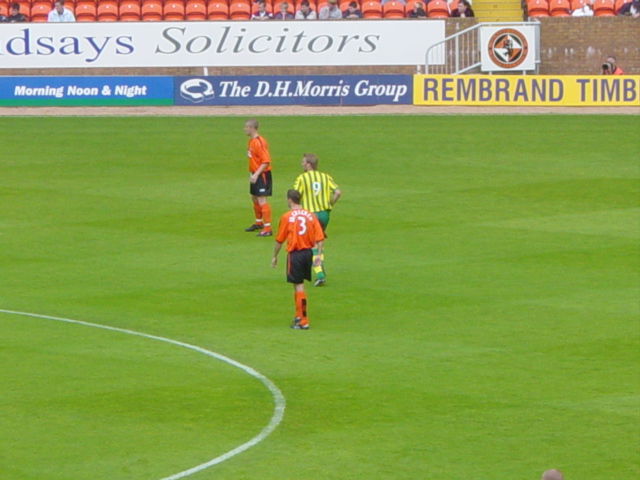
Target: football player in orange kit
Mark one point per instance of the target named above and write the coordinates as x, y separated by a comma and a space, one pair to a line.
260, 182
302, 232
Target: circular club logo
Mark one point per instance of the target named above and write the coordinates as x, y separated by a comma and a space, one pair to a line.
508, 48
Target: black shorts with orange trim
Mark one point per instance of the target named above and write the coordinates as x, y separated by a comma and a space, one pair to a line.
263, 186
299, 263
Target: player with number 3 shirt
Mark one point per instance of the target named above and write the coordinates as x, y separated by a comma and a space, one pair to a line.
302, 232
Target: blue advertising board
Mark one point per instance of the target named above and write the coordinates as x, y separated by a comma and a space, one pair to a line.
85, 91
295, 90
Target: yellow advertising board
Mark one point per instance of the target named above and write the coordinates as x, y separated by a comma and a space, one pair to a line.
527, 90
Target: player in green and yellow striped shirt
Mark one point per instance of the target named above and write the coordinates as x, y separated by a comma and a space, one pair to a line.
319, 195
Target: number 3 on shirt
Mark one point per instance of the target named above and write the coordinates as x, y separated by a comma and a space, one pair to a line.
302, 221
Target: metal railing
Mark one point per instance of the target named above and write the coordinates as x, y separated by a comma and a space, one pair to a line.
460, 53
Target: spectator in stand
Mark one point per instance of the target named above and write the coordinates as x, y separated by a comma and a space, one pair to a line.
284, 14
262, 13
305, 12
3, 19
60, 14
330, 11
584, 10
631, 9
14, 14
464, 10
610, 68
417, 11
352, 11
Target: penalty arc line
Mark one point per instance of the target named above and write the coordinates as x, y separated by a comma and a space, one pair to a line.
278, 397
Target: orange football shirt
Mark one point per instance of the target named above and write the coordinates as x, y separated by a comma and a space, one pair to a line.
300, 228
258, 153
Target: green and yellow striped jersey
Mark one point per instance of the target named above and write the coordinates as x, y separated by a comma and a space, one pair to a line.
316, 189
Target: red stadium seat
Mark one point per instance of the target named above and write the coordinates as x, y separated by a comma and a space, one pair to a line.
151, 11
559, 8
370, 9
393, 9
85, 12
537, 8
218, 11
107, 12
604, 8
437, 9
239, 11
130, 11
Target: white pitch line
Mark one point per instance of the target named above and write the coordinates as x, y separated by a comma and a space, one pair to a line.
278, 398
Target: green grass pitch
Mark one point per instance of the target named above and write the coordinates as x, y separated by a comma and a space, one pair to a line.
480, 319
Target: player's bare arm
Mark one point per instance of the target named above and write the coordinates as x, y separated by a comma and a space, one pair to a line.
276, 251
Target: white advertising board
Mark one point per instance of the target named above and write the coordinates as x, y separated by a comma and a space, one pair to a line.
508, 48
195, 44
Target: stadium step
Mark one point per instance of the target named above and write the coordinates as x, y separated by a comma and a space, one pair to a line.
498, 10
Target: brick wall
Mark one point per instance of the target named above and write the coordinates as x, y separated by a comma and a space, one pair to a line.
575, 46
579, 45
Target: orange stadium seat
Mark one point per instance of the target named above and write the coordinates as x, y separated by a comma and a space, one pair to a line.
25, 5
47, 3
559, 8
370, 9
239, 11
218, 11
437, 9
195, 10
40, 13
174, 11
130, 11
537, 8
85, 12
91, 3
107, 12
151, 11
344, 4
4, 9
393, 9
604, 8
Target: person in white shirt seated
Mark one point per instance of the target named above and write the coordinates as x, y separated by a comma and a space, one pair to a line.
305, 12
584, 10
60, 14
330, 11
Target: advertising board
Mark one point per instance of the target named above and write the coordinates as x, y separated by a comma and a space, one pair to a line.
86, 91
294, 90
527, 90
195, 44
